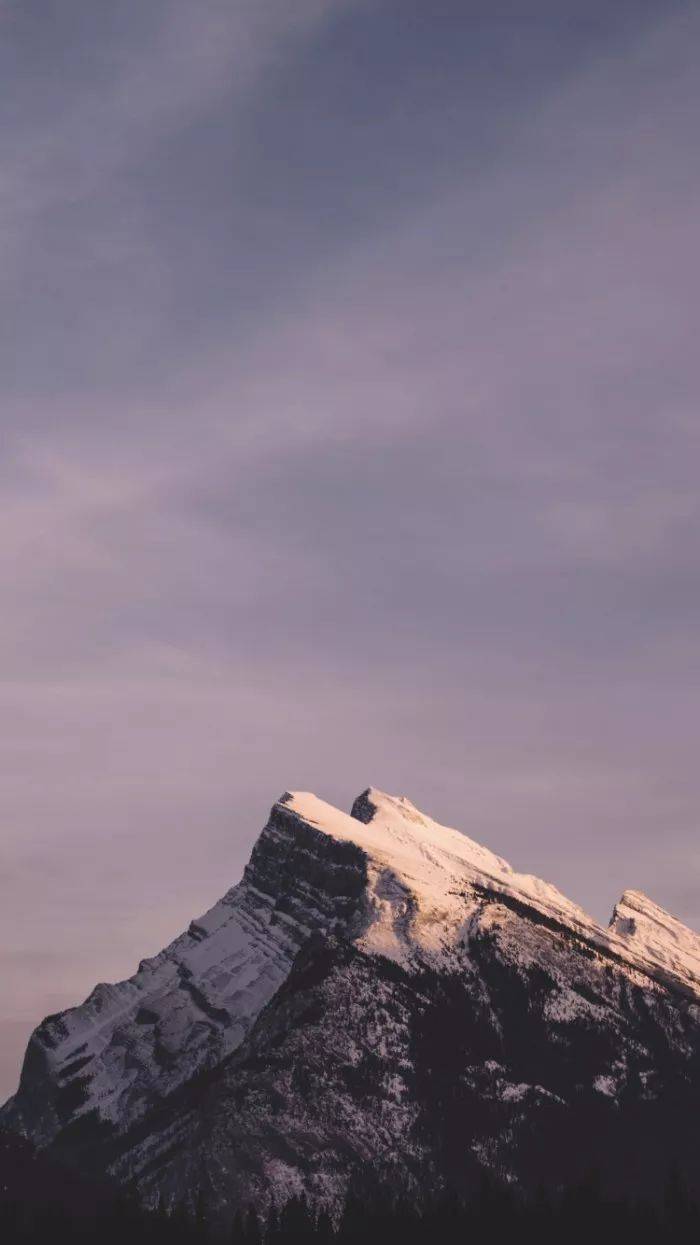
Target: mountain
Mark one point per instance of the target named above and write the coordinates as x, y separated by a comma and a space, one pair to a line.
380, 998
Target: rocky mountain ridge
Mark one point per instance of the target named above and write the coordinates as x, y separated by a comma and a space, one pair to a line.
378, 991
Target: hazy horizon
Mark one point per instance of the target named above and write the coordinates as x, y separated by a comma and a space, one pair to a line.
350, 436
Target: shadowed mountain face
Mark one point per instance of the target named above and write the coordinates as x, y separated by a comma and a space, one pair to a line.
380, 994
40, 1197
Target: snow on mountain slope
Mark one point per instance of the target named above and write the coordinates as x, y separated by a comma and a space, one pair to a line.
187, 1007
418, 870
128, 1045
657, 937
390, 879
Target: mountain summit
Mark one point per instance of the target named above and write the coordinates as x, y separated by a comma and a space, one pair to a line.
379, 992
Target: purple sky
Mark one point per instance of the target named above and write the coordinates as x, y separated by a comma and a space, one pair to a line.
349, 435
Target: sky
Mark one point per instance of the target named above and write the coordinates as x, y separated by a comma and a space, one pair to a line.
349, 435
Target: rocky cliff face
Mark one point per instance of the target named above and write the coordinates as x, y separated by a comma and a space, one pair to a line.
129, 1045
380, 994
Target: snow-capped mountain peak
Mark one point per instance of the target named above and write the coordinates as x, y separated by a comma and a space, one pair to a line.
396, 889
420, 874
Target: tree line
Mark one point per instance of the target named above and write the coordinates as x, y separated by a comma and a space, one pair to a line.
42, 1204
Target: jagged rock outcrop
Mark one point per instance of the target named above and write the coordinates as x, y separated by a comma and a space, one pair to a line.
380, 993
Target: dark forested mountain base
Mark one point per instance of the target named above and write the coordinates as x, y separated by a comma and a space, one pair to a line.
36, 1210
